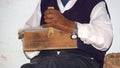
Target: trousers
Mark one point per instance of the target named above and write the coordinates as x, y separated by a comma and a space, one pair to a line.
63, 60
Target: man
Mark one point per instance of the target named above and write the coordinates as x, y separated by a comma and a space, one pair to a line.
88, 19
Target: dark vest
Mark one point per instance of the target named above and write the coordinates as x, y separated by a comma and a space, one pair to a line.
80, 12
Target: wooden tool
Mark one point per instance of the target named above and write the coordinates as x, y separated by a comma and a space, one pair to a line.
50, 29
39, 40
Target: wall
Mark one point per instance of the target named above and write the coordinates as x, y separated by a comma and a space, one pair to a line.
13, 15
115, 15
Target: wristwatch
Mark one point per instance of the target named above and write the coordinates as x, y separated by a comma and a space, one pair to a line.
75, 32
74, 36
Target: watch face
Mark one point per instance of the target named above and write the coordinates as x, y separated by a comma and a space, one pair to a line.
74, 36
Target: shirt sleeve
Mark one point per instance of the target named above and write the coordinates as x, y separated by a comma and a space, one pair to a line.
98, 32
34, 21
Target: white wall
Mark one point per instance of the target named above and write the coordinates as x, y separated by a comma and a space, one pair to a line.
13, 15
115, 18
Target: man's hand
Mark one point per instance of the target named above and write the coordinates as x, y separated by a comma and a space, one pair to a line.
54, 18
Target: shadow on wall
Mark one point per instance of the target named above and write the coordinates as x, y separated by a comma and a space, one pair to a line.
112, 60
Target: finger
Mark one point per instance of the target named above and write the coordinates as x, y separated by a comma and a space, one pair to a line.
46, 25
48, 11
48, 21
49, 16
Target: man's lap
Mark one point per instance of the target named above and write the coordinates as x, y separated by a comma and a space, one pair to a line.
63, 61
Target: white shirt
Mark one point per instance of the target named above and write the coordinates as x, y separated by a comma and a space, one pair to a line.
98, 32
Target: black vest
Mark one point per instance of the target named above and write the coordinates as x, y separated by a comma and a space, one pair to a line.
80, 12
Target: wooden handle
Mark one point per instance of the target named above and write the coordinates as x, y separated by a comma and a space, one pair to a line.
50, 29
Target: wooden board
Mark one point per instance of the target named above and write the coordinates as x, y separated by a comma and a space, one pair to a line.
39, 40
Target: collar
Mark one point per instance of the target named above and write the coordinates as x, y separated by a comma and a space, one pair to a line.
69, 5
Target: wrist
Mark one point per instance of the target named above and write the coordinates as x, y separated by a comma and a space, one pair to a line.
69, 26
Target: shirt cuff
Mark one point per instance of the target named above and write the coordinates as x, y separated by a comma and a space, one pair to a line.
31, 54
83, 31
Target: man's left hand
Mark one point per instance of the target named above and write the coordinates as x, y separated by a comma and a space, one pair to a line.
54, 18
